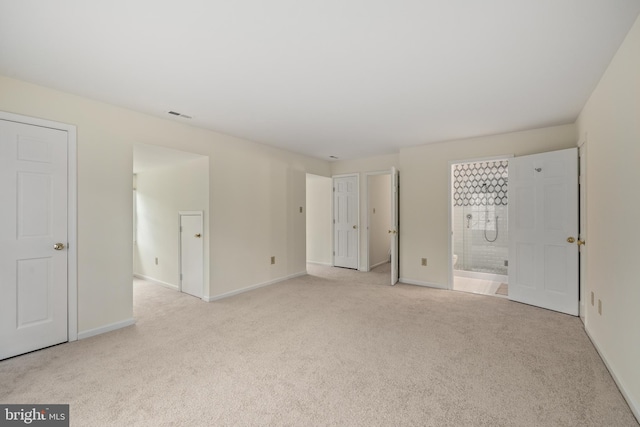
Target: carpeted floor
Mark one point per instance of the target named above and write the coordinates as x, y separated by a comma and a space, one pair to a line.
336, 347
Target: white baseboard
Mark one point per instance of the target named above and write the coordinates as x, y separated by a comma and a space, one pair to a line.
252, 287
106, 328
157, 282
633, 405
420, 283
371, 267
328, 264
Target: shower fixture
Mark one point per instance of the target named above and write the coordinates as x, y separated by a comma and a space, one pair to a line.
485, 229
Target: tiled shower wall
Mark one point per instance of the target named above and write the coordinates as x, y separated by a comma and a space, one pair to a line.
480, 189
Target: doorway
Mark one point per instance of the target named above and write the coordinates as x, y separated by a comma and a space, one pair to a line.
168, 182
379, 237
319, 240
479, 218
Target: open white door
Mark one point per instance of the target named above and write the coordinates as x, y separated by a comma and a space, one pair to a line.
543, 230
395, 261
33, 238
191, 253
345, 221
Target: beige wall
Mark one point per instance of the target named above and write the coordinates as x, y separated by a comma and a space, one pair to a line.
319, 217
161, 193
255, 193
424, 193
610, 123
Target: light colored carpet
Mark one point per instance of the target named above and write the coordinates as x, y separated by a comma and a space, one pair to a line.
503, 289
337, 347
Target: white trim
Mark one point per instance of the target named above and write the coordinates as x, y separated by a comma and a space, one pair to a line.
333, 225
378, 264
421, 283
157, 282
106, 328
252, 287
328, 264
450, 204
72, 213
633, 405
583, 250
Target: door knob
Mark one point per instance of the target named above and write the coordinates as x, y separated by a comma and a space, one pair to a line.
58, 246
581, 242
198, 235
354, 227
571, 239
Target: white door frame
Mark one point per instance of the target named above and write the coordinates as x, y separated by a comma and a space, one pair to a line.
72, 221
582, 224
333, 217
450, 216
201, 215
367, 219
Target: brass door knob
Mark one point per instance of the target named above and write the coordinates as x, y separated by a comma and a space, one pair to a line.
354, 227
58, 246
581, 242
198, 235
571, 240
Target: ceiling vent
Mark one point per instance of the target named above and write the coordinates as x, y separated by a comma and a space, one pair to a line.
175, 113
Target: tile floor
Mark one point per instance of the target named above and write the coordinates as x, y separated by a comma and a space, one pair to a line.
476, 286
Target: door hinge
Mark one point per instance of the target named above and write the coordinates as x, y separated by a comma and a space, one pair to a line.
334, 189
181, 229
180, 276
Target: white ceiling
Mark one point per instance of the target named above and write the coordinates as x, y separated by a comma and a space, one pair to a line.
349, 78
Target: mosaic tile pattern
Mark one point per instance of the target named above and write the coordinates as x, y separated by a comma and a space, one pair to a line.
480, 184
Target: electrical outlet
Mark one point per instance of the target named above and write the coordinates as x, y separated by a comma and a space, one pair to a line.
424, 262
273, 260
600, 307
156, 260
593, 298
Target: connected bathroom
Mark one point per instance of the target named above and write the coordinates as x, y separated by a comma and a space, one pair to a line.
480, 226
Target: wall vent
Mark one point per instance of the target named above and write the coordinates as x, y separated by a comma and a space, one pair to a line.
175, 113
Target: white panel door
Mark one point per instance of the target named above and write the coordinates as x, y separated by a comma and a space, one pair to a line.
395, 260
191, 254
345, 218
543, 222
33, 238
